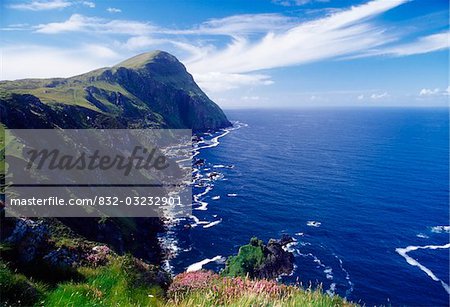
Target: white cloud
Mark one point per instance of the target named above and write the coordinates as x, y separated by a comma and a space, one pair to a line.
340, 34
101, 51
37, 5
434, 92
80, 23
426, 44
244, 24
217, 82
141, 42
89, 4
114, 10
43, 62
296, 2
254, 98
379, 96
16, 27
257, 42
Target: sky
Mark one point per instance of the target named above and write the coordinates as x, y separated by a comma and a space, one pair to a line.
246, 54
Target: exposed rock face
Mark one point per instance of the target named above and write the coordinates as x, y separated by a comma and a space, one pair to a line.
29, 236
278, 261
149, 90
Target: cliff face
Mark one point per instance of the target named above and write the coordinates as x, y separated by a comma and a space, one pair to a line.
151, 90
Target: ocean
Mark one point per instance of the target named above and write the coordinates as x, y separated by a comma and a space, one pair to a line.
364, 191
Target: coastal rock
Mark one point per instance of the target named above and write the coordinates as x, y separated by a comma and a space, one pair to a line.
62, 258
28, 236
278, 261
262, 261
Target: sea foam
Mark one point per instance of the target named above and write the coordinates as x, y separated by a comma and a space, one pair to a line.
404, 253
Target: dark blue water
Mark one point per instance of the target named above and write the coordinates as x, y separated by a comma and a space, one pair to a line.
375, 180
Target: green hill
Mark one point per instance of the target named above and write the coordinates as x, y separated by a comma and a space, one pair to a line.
150, 90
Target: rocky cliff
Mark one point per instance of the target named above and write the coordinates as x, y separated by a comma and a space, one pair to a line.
151, 90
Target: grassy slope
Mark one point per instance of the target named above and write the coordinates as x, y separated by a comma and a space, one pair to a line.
208, 289
71, 91
139, 60
115, 285
111, 285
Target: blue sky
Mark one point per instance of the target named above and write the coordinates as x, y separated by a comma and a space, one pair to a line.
253, 53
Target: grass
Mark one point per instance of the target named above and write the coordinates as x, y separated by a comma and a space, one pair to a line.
125, 282
116, 284
112, 285
18, 290
209, 289
70, 92
139, 60
249, 257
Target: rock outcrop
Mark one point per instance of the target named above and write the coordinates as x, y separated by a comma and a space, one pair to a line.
261, 261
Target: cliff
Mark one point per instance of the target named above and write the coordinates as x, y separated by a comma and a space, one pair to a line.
151, 90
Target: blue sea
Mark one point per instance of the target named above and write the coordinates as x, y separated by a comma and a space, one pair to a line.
364, 191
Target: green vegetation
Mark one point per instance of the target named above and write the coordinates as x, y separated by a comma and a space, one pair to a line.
150, 90
249, 257
107, 279
16, 289
56, 264
209, 289
114, 285
140, 60
120, 283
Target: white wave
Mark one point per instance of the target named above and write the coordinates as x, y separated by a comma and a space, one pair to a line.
404, 253
280, 277
290, 246
347, 276
313, 224
231, 194
440, 229
169, 245
203, 206
215, 197
197, 221
300, 234
328, 273
332, 290
421, 235
212, 224
213, 142
199, 265
168, 239
207, 189
315, 259
223, 166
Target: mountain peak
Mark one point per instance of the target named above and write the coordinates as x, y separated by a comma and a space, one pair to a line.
141, 60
